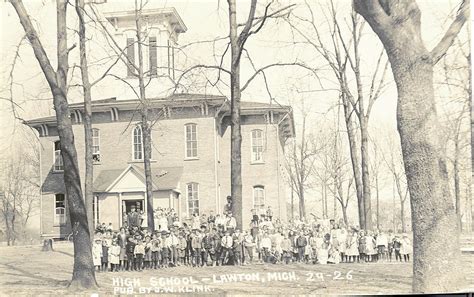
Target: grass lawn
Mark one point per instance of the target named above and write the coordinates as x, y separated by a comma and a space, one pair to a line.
27, 270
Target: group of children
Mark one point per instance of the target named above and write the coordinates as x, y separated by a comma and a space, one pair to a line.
211, 242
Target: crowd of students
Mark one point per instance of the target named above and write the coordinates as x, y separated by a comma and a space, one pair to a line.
206, 240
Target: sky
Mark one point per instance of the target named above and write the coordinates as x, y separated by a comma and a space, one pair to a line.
206, 20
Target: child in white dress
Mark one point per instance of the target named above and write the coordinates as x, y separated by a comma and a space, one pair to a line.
97, 253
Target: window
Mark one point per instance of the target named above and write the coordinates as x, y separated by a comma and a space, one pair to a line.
171, 68
192, 190
191, 140
96, 145
59, 209
257, 145
152, 55
58, 159
130, 56
137, 143
259, 199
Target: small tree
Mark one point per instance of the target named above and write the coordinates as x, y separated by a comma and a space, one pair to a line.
300, 160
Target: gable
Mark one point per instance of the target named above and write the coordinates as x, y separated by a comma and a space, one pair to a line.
130, 181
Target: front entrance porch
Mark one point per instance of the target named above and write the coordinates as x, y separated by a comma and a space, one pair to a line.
123, 189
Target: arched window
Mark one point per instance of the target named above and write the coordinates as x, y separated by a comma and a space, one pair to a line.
257, 145
192, 196
58, 159
191, 140
259, 199
59, 209
137, 143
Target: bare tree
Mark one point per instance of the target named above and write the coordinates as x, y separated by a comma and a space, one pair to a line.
398, 25
86, 86
83, 272
455, 119
342, 180
376, 163
19, 198
301, 164
342, 54
237, 41
394, 162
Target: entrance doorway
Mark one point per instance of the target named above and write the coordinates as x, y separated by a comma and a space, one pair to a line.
138, 203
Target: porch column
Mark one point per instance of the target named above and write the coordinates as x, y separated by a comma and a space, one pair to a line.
120, 209
96, 210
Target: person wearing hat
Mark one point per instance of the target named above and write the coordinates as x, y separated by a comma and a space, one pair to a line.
97, 252
237, 247
139, 251
396, 247
130, 247
196, 243
211, 219
231, 223
165, 248
226, 244
133, 217
156, 250
228, 206
181, 248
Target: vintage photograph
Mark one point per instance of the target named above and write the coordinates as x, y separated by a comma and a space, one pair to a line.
230, 148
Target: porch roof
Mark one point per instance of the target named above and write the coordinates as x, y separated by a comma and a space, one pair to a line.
163, 178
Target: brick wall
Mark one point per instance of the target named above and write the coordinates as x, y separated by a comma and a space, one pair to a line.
211, 169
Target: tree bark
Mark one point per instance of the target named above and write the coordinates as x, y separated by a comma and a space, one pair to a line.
145, 122
302, 207
236, 135
435, 230
457, 186
83, 276
364, 148
354, 160
86, 87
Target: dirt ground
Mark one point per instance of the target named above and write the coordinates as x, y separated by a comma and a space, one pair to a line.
27, 270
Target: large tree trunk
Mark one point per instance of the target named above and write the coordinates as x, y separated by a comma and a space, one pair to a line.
86, 86
355, 161
435, 228
148, 175
236, 136
425, 167
83, 272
